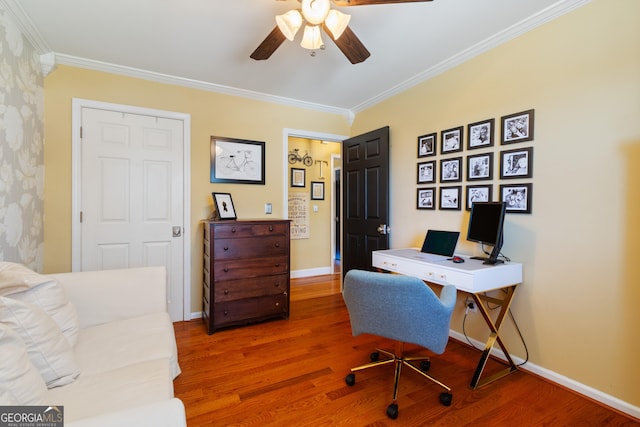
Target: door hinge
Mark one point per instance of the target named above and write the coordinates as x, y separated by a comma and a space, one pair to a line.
80, 132
80, 216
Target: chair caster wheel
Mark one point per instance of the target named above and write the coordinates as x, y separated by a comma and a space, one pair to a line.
374, 357
445, 398
350, 379
425, 365
392, 411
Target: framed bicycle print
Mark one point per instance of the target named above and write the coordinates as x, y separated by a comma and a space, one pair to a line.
237, 161
224, 206
427, 145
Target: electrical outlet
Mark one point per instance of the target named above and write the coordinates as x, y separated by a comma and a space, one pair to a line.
470, 305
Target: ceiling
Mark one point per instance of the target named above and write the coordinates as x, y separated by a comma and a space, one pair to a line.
207, 43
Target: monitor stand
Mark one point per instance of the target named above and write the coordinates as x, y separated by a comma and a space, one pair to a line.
488, 261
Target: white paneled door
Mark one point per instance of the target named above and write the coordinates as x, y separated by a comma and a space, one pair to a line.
132, 195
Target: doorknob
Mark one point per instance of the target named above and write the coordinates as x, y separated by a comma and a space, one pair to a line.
177, 231
384, 229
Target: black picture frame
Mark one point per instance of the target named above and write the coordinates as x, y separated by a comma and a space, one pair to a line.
450, 198
480, 134
298, 177
426, 198
451, 170
427, 145
237, 161
426, 172
317, 190
451, 140
515, 164
479, 193
518, 197
480, 167
223, 204
517, 127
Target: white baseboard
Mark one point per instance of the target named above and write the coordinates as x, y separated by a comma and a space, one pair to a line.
556, 378
296, 274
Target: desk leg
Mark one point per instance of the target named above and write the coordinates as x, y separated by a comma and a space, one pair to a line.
494, 336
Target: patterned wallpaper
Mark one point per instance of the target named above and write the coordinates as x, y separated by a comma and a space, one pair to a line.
21, 148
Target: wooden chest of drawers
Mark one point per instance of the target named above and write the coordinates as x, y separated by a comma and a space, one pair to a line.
246, 272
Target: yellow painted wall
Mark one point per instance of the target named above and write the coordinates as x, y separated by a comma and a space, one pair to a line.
578, 306
211, 114
314, 252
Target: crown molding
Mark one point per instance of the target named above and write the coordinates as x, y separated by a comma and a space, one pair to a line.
550, 13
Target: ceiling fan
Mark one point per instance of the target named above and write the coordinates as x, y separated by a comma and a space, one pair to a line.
317, 15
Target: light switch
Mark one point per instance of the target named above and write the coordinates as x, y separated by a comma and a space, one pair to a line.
315, 208
267, 208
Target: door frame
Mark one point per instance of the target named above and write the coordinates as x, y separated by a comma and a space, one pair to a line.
297, 133
76, 200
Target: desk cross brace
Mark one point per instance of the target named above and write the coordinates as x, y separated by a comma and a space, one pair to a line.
494, 336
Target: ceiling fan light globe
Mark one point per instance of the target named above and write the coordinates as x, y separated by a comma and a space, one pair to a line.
289, 23
311, 39
315, 11
337, 22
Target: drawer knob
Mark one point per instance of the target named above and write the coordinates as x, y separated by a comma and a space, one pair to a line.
233, 230
226, 312
277, 304
277, 245
226, 291
226, 248
226, 269
271, 228
277, 265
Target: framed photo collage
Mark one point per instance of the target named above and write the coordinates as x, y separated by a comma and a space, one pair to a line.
450, 168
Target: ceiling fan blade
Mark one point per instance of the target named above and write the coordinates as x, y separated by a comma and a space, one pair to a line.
350, 45
269, 45
368, 2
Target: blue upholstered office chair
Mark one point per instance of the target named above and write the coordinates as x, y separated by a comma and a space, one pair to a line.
404, 309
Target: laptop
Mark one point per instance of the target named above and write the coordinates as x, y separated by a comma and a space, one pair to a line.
439, 245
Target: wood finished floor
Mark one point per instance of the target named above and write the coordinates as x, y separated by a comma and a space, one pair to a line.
291, 373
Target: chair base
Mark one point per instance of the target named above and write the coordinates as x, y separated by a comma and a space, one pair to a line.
400, 360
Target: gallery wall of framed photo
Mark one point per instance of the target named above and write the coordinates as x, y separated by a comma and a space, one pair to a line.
452, 174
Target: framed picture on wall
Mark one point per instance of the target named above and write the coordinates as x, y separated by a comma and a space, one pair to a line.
298, 177
517, 197
517, 127
224, 206
451, 170
451, 140
480, 167
426, 198
427, 145
478, 193
426, 172
317, 190
480, 134
516, 163
450, 198
237, 161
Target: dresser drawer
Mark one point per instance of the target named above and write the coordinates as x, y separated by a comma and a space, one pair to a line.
245, 268
250, 247
248, 288
234, 230
250, 309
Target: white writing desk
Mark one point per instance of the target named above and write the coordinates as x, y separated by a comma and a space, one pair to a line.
472, 277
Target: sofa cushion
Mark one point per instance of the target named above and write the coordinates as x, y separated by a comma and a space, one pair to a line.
20, 381
16, 277
126, 387
51, 297
116, 344
47, 348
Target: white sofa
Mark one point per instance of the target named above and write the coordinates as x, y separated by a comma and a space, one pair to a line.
102, 343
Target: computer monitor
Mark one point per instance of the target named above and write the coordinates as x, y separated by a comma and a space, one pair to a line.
485, 226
